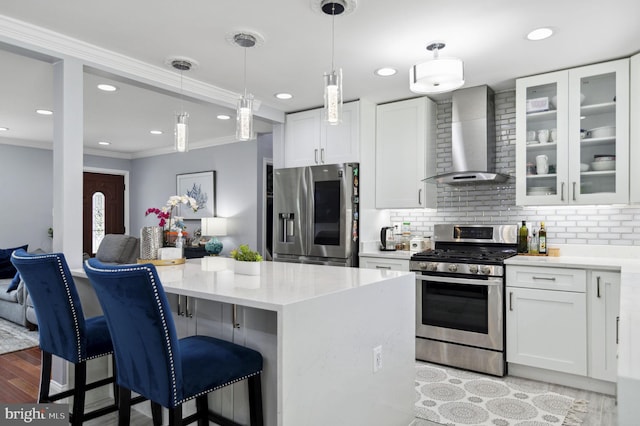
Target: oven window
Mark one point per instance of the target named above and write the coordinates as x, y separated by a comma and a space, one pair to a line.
326, 218
456, 306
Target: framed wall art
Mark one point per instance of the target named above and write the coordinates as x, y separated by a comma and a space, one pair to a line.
202, 187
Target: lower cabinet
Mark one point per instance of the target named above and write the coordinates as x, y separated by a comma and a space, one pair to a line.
371, 262
604, 313
547, 329
251, 327
563, 319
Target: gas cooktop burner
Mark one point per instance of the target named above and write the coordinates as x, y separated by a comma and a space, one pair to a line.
478, 256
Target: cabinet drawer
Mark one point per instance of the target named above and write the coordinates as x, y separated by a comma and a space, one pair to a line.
544, 278
382, 263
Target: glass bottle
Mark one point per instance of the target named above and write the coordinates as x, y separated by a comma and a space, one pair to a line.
533, 247
542, 246
523, 238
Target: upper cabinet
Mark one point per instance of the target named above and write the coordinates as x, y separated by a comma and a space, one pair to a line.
635, 128
405, 154
308, 141
572, 136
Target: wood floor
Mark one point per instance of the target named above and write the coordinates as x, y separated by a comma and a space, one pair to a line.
20, 376
20, 379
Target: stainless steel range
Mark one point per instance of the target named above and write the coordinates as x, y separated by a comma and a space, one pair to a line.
460, 296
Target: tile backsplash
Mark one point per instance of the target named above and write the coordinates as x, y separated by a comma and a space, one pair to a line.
496, 203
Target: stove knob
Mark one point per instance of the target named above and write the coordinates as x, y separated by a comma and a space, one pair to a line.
432, 266
422, 265
473, 269
453, 268
486, 269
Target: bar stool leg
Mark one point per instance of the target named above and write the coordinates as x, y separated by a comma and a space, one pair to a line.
156, 413
255, 400
124, 407
45, 377
202, 408
79, 384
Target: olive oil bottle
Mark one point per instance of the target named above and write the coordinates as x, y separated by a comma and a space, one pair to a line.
523, 238
542, 239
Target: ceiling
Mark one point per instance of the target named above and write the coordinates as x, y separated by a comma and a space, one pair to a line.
295, 52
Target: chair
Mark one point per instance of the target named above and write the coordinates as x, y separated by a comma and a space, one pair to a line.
153, 362
64, 331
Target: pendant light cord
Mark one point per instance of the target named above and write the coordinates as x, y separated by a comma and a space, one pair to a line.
245, 72
181, 94
333, 34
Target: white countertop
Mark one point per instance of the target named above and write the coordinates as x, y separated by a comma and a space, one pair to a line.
372, 249
278, 285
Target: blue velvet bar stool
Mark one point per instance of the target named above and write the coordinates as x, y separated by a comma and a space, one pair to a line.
63, 329
153, 362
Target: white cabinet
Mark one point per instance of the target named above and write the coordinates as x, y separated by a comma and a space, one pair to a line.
634, 136
587, 116
405, 154
392, 264
604, 312
308, 141
546, 318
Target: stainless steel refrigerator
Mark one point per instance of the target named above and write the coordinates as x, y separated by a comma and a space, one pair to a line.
316, 214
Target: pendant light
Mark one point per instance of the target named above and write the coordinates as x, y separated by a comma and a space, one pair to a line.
244, 113
181, 126
438, 75
333, 79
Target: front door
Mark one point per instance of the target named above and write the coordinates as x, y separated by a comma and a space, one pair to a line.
102, 209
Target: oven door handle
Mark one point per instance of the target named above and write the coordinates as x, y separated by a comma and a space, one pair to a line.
470, 281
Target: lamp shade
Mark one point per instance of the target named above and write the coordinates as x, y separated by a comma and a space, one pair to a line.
436, 76
213, 226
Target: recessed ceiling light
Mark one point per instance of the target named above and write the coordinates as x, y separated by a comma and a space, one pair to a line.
386, 71
283, 95
3, 129
44, 112
223, 117
540, 34
104, 143
155, 132
107, 87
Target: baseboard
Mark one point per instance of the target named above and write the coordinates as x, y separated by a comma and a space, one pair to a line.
564, 379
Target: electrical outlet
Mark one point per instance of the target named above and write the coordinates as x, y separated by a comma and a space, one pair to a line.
397, 227
377, 358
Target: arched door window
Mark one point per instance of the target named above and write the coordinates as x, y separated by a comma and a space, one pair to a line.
97, 220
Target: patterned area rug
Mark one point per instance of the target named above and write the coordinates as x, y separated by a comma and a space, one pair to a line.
454, 397
14, 337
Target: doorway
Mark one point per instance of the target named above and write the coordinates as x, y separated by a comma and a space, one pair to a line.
103, 199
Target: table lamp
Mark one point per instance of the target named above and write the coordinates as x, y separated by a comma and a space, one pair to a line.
213, 227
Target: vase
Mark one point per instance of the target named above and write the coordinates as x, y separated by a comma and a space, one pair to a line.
213, 246
150, 242
247, 268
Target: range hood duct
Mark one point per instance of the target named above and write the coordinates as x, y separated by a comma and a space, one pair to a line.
473, 139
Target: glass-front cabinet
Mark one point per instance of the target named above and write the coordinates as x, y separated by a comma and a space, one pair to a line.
572, 136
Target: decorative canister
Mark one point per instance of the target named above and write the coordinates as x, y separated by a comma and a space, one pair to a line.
150, 242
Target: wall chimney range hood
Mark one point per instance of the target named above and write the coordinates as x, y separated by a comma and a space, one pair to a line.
473, 139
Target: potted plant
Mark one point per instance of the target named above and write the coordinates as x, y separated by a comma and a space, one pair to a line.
247, 261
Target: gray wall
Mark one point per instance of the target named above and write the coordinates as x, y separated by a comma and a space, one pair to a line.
153, 181
26, 194
608, 225
26, 177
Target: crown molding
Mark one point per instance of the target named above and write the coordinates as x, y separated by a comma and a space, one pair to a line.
55, 46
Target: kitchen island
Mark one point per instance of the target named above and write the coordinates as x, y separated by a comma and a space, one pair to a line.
317, 327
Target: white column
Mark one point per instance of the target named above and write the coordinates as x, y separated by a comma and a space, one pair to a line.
68, 159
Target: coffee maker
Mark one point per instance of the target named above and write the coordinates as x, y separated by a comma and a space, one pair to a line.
387, 239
